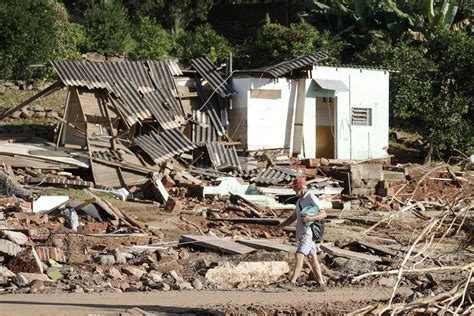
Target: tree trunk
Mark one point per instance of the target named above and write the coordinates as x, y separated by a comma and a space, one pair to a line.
429, 154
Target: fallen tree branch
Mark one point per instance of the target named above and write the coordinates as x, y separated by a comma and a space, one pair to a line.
416, 271
192, 224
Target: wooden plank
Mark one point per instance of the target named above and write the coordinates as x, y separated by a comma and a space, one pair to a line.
338, 252
224, 246
268, 245
103, 205
263, 221
23, 150
378, 248
24, 162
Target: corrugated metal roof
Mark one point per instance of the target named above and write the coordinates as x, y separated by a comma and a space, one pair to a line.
223, 156
209, 72
353, 66
132, 85
162, 146
285, 67
204, 132
161, 75
174, 68
276, 174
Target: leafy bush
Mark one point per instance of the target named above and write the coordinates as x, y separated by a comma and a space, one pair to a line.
70, 37
151, 41
107, 28
433, 90
275, 43
203, 41
27, 34
174, 15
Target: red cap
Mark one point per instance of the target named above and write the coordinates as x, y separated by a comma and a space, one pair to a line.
299, 182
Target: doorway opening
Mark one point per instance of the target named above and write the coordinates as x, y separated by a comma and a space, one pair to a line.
325, 127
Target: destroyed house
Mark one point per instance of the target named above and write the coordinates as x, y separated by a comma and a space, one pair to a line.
311, 110
124, 119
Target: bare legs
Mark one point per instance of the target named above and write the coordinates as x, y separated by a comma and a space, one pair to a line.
313, 263
299, 257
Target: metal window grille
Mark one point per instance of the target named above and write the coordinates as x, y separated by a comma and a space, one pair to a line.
362, 116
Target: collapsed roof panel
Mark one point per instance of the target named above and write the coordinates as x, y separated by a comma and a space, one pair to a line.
164, 145
131, 84
223, 156
209, 72
285, 67
161, 74
203, 132
276, 174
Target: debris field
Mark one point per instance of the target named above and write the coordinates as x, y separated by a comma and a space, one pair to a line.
162, 199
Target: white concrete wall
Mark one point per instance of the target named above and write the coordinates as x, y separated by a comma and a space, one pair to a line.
268, 122
367, 89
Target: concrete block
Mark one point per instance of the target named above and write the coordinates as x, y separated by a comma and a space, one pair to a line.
393, 175
363, 191
9, 248
249, 272
17, 237
366, 171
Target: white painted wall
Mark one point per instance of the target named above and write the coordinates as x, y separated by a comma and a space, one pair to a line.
367, 89
263, 123
269, 123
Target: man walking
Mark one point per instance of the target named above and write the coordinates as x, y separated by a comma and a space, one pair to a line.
304, 236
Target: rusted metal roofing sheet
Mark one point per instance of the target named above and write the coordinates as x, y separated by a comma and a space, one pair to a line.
223, 156
286, 67
209, 72
132, 85
162, 146
276, 174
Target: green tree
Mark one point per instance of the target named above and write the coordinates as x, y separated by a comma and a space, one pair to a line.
70, 38
27, 37
107, 28
203, 41
173, 15
432, 91
151, 41
275, 43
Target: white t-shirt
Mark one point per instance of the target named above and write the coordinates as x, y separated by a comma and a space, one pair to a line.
307, 200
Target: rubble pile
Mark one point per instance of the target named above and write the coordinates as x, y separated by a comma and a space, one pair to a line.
54, 243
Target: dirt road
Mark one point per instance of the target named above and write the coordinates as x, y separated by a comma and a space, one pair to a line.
187, 302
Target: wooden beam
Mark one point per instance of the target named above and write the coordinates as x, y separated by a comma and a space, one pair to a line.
215, 243
52, 88
70, 125
268, 245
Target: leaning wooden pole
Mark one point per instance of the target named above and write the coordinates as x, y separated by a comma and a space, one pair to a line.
52, 88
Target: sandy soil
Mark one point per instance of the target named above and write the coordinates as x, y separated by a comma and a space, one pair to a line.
190, 302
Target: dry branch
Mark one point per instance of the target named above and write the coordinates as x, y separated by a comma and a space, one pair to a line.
416, 271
